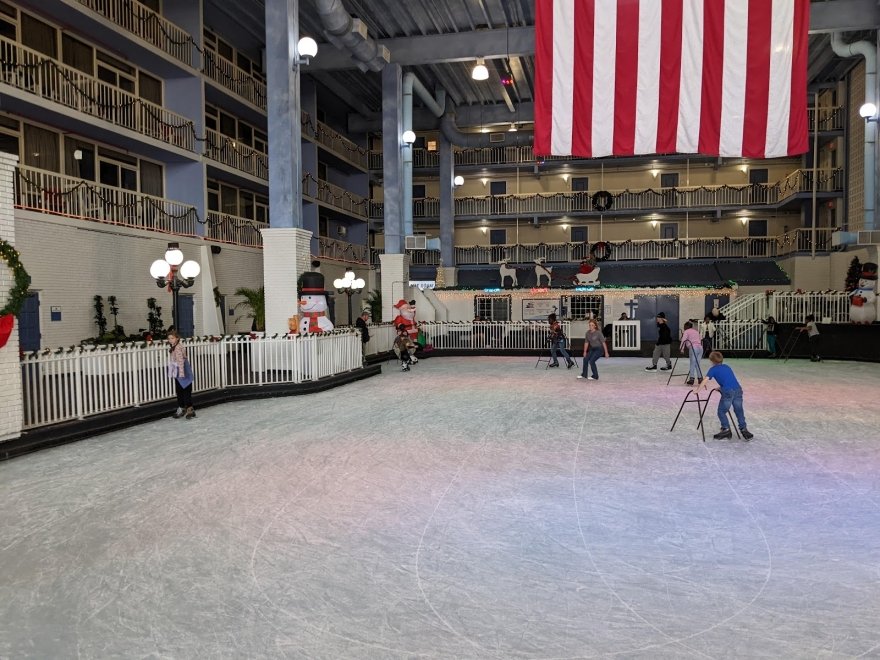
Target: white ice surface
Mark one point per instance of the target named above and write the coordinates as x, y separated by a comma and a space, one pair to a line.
472, 508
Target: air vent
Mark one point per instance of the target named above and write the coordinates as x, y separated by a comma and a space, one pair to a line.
496, 137
418, 242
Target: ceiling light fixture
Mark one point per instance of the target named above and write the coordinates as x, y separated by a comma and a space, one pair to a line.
512, 128
480, 72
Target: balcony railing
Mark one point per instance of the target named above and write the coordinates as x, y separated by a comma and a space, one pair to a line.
335, 196
234, 229
800, 240
510, 155
236, 155
236, 80
336, 142
147, 25
49, 192
329, 248
644, 200
831, 118
51, 80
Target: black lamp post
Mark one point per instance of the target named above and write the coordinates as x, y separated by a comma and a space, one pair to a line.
349, 285
173, 273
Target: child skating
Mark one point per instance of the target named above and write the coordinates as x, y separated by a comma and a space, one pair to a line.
731, 394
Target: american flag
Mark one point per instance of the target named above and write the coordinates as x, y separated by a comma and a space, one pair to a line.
715, 77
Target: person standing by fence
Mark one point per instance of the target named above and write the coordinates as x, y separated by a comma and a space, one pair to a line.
708, 335
770, 329
595, 347
557, 343
180, 369
361, 325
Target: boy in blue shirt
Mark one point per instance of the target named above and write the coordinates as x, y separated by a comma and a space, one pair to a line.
731, 394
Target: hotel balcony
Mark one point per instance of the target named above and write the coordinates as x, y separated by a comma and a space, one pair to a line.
146, 25
238, 81
335, 143
33, 77
57, 194
236, 155
226, 228
332, 196
684, 198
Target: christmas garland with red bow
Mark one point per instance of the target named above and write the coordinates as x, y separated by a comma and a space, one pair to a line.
21, 280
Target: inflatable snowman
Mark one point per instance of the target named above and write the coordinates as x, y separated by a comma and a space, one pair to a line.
863, 300
313, 305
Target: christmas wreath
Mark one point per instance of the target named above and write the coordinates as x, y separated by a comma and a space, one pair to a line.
602, 201
600, 251
17, 294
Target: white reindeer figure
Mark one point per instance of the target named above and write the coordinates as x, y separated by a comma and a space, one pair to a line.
543, 271
506, 270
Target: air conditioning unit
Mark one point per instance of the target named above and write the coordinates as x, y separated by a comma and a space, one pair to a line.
496, 137
342, 231
417, 242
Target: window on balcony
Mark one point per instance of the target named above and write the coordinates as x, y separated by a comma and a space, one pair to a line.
116, 73
39, 36
8, 29
41, 148
149, 88
151, 179
669, 180
245, 134
152, 4
9, 144
77, 54
580, 183
84, 168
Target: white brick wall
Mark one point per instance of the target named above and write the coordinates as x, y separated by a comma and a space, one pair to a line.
10, 374
71, 261
286, 255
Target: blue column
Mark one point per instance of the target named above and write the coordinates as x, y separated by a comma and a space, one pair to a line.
283, 105
447, 204
392, 168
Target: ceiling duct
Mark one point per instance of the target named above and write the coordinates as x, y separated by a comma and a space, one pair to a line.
351, 34
478, 140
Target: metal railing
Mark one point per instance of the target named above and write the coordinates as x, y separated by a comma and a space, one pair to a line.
510, 155
642, 200
497, 335
746, 335
147, 25
86, 381
340, 145
239, 156
334, 196
58, 194
236, 80
330, 248
799, 240
831, 118
790, 306
49, 79
228, 228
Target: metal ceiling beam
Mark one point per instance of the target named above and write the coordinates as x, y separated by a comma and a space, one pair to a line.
465, 116
831, 16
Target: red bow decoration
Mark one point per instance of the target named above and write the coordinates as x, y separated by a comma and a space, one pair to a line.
7, 321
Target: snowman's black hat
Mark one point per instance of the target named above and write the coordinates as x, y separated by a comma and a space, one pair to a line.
869, 271
312, 283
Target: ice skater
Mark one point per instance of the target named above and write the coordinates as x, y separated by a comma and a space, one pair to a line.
812, 331
770, 329
595, 346
731, 394
690, 339
557, 343
180, 369
663, 347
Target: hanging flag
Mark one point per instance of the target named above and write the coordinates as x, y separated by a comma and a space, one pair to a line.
714, 77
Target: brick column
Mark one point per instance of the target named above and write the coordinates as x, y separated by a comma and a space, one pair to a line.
286, 256
11, 404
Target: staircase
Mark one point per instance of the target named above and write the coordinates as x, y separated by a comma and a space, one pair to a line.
746, 308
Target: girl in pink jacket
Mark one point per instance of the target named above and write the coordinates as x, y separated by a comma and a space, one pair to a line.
690, 339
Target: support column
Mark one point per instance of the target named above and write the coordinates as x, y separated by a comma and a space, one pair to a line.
283, 105
286, 256
447, 204
395, 282
392, 168
11, 401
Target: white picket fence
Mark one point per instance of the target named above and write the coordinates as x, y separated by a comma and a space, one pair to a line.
626, 336
87, 381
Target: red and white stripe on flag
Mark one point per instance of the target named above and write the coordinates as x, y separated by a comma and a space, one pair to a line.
716, 77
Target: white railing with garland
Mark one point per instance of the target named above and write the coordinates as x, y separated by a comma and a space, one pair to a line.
146, 24
790, 306
333, 195
84, 381
236, 80
239, 156
226, 228
50, 79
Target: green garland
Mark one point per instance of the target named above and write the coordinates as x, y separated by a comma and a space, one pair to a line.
22, 280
